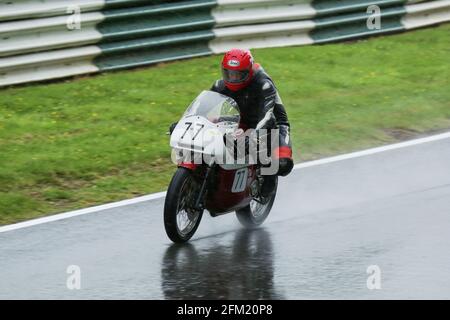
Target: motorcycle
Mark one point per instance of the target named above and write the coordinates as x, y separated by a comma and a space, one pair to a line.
202, 182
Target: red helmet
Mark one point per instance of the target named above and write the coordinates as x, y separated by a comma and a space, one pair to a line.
237, 69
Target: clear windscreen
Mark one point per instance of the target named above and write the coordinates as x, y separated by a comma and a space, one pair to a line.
215, 107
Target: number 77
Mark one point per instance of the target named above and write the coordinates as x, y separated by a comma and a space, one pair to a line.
189, 125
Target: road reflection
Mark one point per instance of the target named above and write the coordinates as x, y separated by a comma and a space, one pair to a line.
240, 270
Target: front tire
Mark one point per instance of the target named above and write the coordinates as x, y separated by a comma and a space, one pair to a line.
180, 220
257, 211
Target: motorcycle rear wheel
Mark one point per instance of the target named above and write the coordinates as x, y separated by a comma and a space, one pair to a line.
256, 212
180, 221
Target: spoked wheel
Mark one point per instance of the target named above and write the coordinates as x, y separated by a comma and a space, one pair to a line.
257, 211
180, 219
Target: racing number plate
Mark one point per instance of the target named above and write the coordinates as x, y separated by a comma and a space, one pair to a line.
240, 180
190, 126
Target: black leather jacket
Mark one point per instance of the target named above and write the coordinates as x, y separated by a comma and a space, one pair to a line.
256, 100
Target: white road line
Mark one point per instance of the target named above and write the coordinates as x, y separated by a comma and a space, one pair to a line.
368, 152
76, 213
159, 195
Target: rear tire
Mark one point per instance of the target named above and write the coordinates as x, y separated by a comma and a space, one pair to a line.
177, 207
256, 213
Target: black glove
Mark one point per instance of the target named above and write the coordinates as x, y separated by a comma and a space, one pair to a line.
172, 127
286, 166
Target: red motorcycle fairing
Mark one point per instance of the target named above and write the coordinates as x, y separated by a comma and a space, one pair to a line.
230, 192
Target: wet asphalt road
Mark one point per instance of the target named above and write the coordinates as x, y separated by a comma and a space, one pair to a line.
329, 224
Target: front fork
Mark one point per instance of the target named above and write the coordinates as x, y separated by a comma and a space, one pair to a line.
199, 201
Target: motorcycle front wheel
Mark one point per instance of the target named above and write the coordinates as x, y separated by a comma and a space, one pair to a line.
257, 211
180, 219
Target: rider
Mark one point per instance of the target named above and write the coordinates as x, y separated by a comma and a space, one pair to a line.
258, 99
251, 87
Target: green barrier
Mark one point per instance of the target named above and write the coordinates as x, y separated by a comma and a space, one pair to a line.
138, 36
143, 26
156, 20
136, 3
177, 7
155, 42
333, 7
150, 56
354, 25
